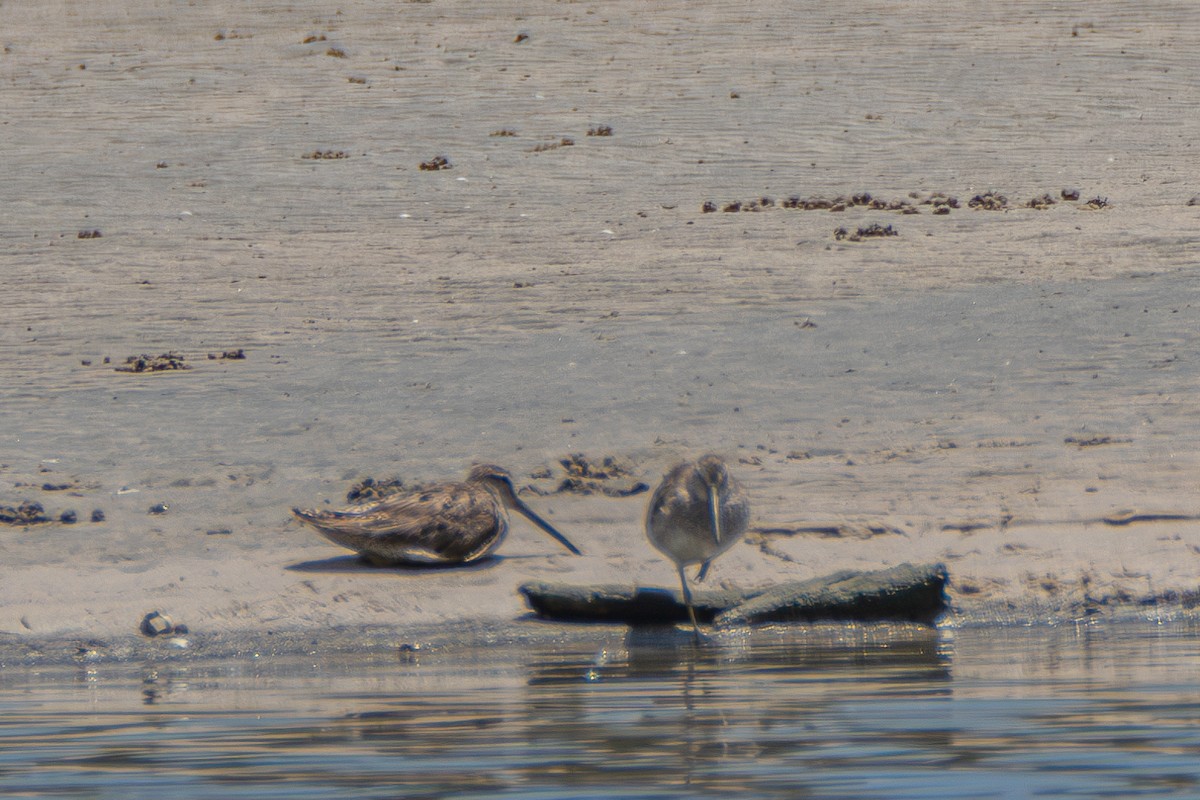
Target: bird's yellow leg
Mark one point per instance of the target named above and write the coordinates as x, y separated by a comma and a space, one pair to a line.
687, 599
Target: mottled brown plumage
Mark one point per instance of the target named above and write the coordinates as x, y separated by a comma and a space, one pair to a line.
698, 512
454, 523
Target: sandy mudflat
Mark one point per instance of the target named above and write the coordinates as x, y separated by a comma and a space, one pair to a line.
984, 388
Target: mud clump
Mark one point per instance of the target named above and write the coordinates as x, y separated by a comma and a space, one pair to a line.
228, 355
608, 476
28, 513
1041, 203
434, 164
565, 141
989, 201
369, 489
939, 203
871, 231
161, 363
325, 155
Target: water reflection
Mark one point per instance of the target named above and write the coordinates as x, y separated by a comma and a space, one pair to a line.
780, 713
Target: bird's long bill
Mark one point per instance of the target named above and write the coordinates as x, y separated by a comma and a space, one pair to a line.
546, 526
714, 509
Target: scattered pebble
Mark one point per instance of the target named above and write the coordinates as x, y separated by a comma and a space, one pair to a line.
68, 518
159, 508
97, 515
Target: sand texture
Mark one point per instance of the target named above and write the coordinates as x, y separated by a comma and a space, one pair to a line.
828, 241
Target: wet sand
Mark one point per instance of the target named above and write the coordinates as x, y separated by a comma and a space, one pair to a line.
985, 388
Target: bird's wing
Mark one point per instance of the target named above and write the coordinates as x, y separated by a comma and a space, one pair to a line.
416, 517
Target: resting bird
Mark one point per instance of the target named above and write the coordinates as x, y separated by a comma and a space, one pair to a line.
698, 512
452, 523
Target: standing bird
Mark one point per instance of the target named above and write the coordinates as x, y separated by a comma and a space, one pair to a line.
698, 512
453, 523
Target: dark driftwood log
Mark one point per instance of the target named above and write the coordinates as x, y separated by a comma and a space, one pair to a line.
906, 592
632, 605
910, 593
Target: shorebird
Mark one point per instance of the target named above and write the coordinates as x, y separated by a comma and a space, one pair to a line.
452, 523
698, 512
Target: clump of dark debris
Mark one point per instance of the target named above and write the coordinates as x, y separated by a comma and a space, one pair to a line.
28, 513
873, 230
228, 355
565, 141
939, 203
989, 201
369, 489
160, 363
1041, 203
325, 155
839, 203
1095, 441
609, 476
434, 164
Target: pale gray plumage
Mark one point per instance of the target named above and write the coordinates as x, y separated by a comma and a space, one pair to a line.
698, 512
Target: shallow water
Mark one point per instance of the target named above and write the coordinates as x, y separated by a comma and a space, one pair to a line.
1063, 712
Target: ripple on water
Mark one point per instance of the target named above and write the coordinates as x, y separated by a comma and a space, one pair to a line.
854, 712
